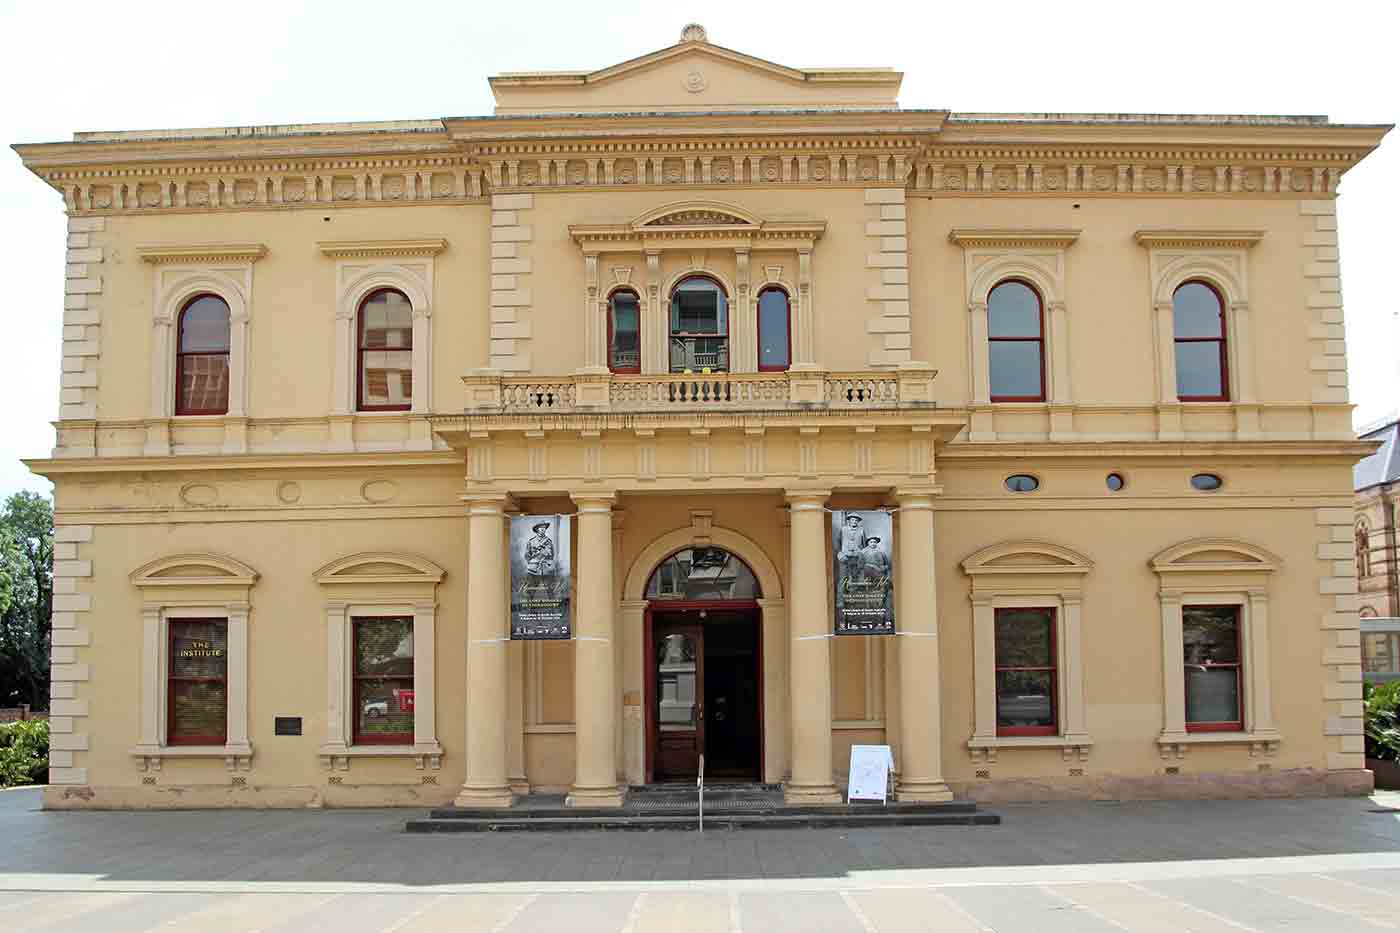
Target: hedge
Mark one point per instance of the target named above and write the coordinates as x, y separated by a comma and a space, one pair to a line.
24, 752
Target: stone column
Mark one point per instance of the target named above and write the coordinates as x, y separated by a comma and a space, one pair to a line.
595, 695
486, 783
921, 708
809, 620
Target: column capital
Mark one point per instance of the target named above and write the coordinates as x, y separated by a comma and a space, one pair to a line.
593, 502
801, 500
916, 498
487, 503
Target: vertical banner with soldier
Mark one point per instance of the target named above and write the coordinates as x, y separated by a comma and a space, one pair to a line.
861, 545
539, 577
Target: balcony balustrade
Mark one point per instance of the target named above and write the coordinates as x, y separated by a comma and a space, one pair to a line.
488, 392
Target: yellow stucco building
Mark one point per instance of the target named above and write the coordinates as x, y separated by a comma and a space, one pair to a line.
1088, 370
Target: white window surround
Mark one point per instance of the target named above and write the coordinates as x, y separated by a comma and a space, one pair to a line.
1217, 572
1219, 258
361, 268
182, 273
1028, 575
1037, 257
188, 586
380, 584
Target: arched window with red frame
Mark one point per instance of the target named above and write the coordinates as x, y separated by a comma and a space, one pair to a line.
1202, 359
774, 330
624, 331
202, 357
385, 355
1015, 343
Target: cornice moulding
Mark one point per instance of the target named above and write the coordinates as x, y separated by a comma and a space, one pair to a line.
381, 249
1195, 239
202, 253
1006, 238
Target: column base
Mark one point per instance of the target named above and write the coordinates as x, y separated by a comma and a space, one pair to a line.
922, 792
485, 797
593, 797
811, 795
520, 786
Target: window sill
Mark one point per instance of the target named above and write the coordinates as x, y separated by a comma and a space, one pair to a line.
1176, 744
425, 755
985, 747
236, 757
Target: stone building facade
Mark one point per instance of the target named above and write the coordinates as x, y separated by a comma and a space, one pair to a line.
1091, 368
1377, 480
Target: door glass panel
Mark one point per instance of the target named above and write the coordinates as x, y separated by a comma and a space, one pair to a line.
676, 697
702, 573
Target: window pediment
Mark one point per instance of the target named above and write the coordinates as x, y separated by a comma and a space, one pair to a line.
194, 570
1219, 555
380, 568
697, 214
697, 224
1027, 557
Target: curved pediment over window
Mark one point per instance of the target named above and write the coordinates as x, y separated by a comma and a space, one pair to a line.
697, 214
1223, 555
380, 567
194, 570
1011, 557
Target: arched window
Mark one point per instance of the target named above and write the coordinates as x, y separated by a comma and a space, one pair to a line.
702, 573
1015, 343
1363, 551
624, 332
385, 352
774, 330
201, 358
1202, 373
699, 326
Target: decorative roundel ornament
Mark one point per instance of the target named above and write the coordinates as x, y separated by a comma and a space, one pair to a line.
695, 82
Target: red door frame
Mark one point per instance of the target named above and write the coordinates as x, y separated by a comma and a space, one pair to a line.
649, 675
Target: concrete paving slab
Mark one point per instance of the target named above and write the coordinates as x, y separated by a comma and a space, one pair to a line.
681, 912
912, 912
1136, 908
1254, 907
828, 912
1027, 907
575, 913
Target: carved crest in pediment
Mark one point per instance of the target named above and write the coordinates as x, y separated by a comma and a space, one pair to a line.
700, 217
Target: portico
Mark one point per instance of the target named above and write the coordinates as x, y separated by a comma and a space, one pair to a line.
694, 439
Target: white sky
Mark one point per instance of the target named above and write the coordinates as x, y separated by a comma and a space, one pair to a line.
154, 65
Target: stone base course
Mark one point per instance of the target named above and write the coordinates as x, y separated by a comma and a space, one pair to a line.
1243, 785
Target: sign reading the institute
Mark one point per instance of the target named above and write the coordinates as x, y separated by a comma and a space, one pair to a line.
861, 545
540, 594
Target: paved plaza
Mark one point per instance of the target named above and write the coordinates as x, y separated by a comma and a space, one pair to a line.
1296, 865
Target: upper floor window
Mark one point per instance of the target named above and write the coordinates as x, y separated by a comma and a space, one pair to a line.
699, 326
1202, 373
624, 332
774, 331
385, 352
1363, 550
1016, 343
202, 357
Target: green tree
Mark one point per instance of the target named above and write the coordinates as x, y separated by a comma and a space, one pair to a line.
26, 599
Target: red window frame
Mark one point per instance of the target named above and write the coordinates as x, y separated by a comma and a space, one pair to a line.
1038, 340
171, 678
1224, 395
1053, 668
361, 349
637, 367
373, 738
181, 408
1236, 725
758, 328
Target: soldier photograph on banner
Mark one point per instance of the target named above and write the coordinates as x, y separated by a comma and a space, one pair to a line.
863, 572
540, 585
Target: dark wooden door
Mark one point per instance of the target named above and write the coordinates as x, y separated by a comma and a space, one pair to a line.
678, 664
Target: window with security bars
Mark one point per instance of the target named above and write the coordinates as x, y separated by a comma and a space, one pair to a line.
1026, 672
197, 682
383, 680
385, 352
1211, 649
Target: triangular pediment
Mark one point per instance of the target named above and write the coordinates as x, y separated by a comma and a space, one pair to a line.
695, 75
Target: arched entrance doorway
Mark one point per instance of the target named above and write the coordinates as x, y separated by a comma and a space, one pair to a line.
704, 669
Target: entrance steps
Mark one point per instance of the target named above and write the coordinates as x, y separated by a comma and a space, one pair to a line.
675, 807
